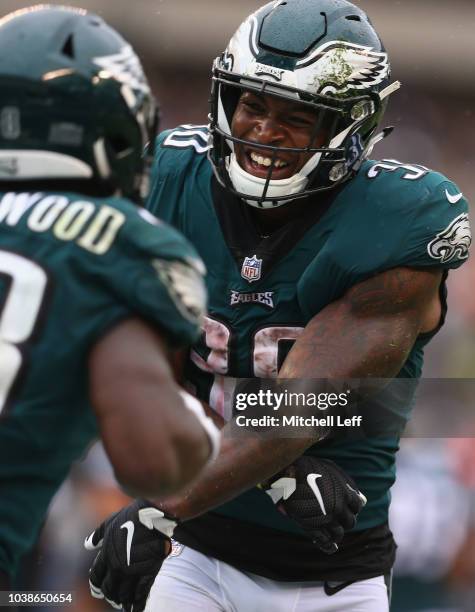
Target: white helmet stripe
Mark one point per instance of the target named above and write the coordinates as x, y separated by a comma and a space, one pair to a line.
253, 37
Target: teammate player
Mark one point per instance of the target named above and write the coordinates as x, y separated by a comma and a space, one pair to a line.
94, 292
307, 242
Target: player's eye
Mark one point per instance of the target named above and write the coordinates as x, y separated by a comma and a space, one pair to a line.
304, 120
254, 106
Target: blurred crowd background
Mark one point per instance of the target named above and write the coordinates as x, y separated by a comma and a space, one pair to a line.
432, 48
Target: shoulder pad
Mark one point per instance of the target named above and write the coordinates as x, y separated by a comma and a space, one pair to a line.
433, 227
389, 215
179, 148
185, 136
159, 274
144, 232
180, 156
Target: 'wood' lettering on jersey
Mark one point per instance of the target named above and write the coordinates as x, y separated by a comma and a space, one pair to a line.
14, 205
102, 231
93, 227
73, 220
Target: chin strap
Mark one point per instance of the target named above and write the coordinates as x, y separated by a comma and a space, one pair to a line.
385, 132
387, 91
341, 170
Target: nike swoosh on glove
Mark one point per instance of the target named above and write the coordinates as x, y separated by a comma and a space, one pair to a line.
132, 544
318, 495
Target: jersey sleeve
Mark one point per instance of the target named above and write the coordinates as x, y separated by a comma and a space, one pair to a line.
179, 153
439, 235
386, 222
164, 174
156, 275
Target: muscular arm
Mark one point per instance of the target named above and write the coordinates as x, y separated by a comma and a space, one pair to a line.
369, 332
154, 443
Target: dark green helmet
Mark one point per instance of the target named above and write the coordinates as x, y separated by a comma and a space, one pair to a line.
322, 53
74, 102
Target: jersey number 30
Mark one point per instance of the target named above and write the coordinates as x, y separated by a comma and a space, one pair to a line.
265, 348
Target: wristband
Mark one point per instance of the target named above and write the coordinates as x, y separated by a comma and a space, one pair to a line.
214, 435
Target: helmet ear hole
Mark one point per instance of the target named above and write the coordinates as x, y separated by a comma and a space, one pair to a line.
68, 47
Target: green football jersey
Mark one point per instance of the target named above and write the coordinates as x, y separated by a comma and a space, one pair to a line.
71, 268
264, 290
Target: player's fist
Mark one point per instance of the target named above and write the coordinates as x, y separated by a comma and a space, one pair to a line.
132, 545
320, 497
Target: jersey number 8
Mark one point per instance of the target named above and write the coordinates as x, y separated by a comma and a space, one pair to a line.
25, 283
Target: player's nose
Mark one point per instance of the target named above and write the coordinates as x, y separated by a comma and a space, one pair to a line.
269, 130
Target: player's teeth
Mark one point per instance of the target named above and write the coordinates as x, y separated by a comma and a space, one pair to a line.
266, 161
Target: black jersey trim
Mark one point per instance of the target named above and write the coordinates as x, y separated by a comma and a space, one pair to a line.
241, 234
443, 305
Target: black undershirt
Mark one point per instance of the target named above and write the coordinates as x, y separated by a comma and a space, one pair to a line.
287, 557
243, 236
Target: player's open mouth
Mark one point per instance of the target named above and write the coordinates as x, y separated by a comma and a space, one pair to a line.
258, 164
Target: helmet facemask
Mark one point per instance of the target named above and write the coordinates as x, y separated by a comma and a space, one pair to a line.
128, 137
340, 120
343, 82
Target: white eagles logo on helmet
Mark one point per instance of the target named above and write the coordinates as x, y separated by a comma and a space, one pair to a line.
125, 67
453, 242
338, 66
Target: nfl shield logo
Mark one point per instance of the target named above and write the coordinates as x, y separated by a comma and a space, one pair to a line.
251, 268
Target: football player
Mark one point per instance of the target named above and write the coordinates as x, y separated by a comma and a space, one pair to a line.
95, 293
323, 264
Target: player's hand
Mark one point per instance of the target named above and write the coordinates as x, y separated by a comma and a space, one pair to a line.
132, 544
320, 497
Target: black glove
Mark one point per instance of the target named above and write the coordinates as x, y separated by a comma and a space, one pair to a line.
133, 545
320, 497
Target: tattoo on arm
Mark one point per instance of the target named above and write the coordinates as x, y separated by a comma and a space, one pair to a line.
369, 332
